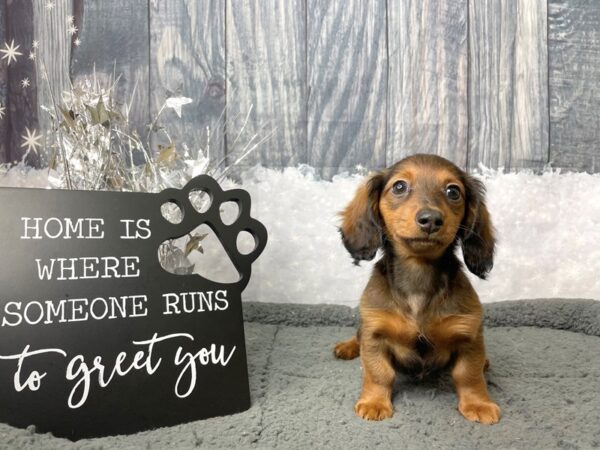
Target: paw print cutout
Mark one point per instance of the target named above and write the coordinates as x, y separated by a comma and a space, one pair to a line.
200, 202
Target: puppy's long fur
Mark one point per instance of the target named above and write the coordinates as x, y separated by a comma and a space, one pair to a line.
419, 312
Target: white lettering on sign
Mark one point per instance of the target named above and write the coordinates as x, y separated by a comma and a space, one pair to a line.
141, 229
34, 379
85, 268
83, 370
204, 357
63, 228
189, 302
86, 374
74, 310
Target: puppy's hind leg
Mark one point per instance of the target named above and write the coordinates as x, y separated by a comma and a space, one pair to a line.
349, 349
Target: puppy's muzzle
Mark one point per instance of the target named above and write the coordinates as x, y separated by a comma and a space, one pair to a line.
429, 220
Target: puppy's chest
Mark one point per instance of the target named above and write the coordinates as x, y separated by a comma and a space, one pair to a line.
416, 304
421, 351
423, 326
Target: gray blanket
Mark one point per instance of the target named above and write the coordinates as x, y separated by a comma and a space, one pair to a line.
545, 375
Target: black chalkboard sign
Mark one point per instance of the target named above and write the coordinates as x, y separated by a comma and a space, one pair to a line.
96, 338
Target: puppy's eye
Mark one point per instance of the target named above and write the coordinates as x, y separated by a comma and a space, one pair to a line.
453, 192
400, 187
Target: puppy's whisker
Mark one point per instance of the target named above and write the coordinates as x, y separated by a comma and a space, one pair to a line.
471, 232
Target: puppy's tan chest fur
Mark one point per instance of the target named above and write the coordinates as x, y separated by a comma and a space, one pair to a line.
416, 337
416, 304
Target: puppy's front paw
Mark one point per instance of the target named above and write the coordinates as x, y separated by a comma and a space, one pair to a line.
347, 349
374, 409
480, 411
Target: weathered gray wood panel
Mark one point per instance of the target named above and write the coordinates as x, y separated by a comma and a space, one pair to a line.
22, 107
266, 80
347, 84
53, 56
508, 84
4, 120
114, 41
574, 71
187, 56
427, 97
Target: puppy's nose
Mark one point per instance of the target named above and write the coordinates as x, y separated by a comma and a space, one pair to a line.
430, 220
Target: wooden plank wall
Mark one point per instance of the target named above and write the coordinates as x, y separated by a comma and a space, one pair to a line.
508, 89
428, 110
330, 83
4, 122
114, 43
347, 81
53, 56
21, 103
574, 72
187, 38
266, 79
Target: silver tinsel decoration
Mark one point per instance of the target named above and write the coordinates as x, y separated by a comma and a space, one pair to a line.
92, 146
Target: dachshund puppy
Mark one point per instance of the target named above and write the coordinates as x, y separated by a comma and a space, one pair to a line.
419, 313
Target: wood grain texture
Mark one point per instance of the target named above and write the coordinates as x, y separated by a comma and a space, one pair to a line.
574, 84
22, 107
427, 94
508, 84
53, 56
4, 121
266, 77
347, 84
187, 55
114, 41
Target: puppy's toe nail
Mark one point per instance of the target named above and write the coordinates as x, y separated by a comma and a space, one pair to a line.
484, 412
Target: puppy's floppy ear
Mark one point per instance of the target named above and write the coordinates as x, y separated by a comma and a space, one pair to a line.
361, 228
477, 232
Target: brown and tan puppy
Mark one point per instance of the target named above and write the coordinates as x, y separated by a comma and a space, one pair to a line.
419, 312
